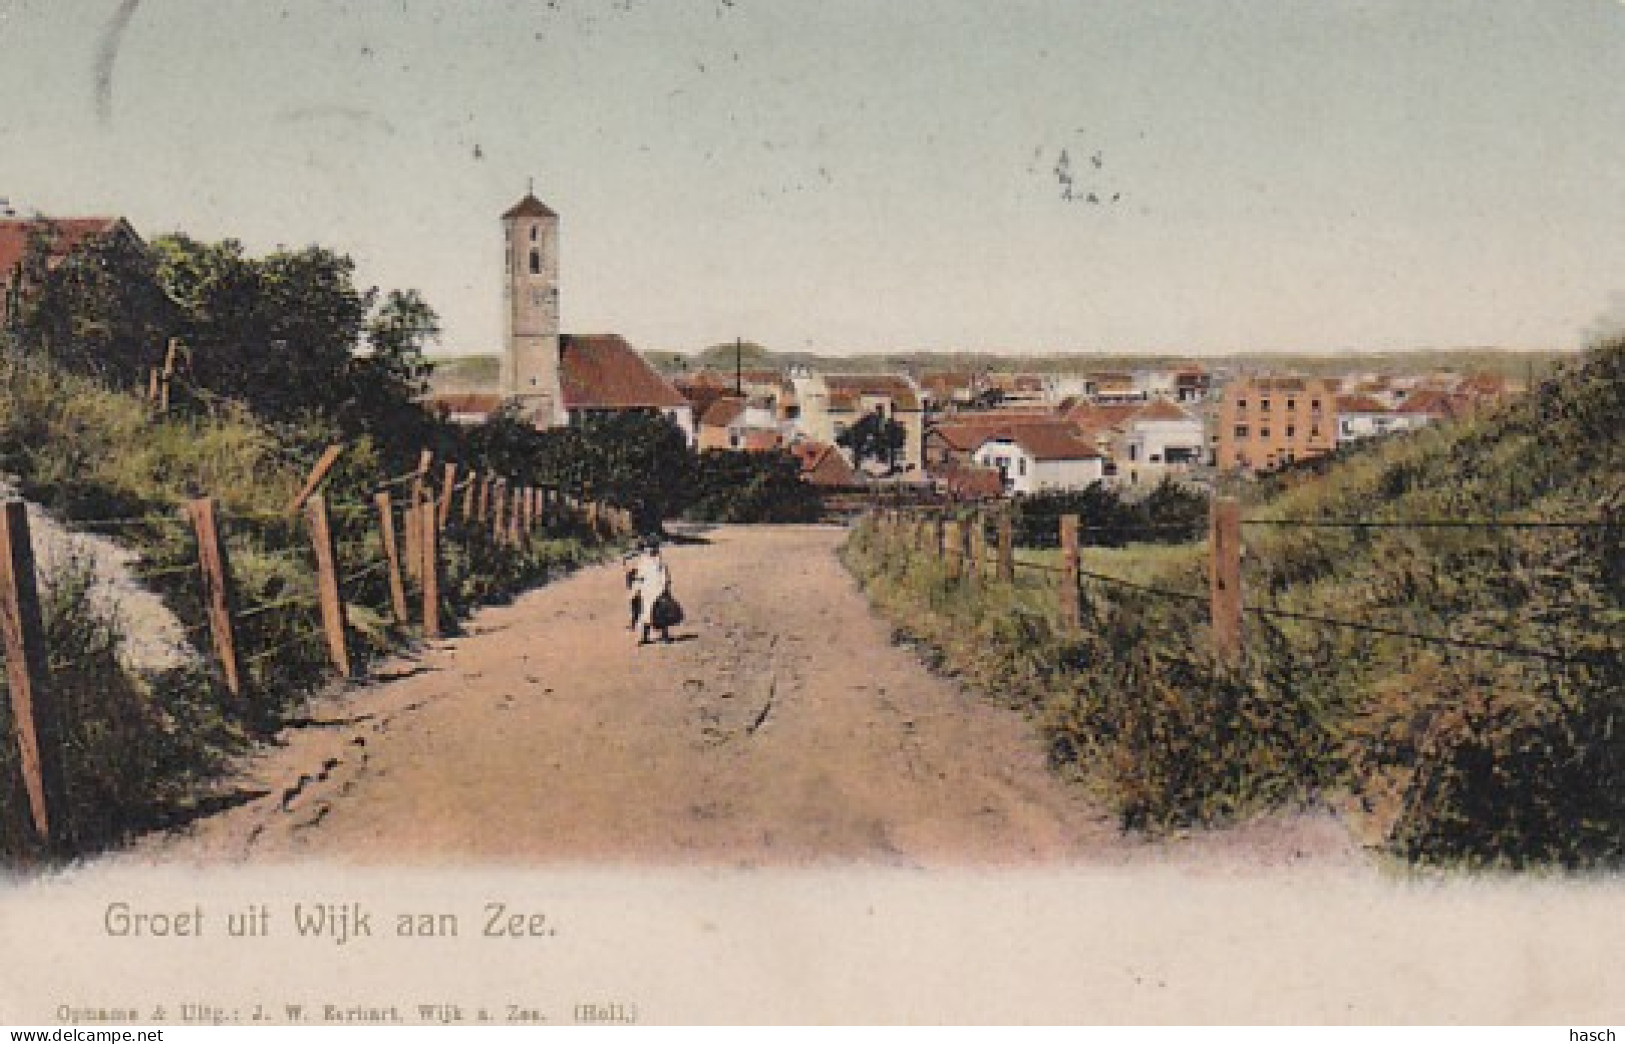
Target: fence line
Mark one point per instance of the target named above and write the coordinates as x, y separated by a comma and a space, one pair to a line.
1465, 523
1432, 639
909, 528
427, 517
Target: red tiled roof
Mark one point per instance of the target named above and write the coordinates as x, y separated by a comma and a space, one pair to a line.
603, 372
1432, 403
530, 206
700, 396
1359, 404
897, 389
1162, 410
1050, 441
967, 435
759, 441
968, 431
972, 482
823, 466
1095, 416
70, 233
723, 412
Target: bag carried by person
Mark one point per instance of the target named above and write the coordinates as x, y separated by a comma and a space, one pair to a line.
666, 612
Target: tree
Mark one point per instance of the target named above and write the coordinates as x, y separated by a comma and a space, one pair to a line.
733, 486
388, 379
640, 461
875, 437
276, 332
293, 337
100, 309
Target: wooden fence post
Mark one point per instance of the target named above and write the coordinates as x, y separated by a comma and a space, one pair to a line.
1070, 615
483, 513
1224, 573
327, 583
392, 556
421, 478
1007, 548
468, 497
953, 547
411, 537
318, 474
499, 498
974, 548
430, 534
448, 489
217, 593
34, 719
516, 514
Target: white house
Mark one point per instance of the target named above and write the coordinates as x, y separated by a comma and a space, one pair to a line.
1365, 417
1037, 457
1158, 440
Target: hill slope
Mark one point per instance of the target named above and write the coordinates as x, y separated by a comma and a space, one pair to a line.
1453, 684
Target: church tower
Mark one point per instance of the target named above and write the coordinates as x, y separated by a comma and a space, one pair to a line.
530, 358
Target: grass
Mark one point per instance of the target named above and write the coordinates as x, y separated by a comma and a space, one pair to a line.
142, 749
1442, 753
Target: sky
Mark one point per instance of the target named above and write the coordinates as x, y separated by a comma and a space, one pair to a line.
848, 176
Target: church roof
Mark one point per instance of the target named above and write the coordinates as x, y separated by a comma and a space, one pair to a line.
530, 206
603, 372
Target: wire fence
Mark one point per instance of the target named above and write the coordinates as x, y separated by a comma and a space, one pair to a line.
348, 547
1071, 575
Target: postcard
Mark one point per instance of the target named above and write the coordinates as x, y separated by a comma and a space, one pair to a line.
558, 512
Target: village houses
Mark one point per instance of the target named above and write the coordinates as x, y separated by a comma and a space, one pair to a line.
827, 405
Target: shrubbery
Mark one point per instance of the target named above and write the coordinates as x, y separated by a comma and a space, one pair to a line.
1170, 514
732, 486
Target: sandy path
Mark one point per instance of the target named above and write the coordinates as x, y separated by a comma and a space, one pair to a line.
783, 728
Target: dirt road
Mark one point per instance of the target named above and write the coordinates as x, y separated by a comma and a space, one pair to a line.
782, 728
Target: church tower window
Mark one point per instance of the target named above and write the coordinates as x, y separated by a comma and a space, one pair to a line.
535, 262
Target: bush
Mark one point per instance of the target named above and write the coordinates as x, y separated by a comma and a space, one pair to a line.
731, 486
1170, 514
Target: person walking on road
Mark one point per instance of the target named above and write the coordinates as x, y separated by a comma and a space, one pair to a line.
652, 584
